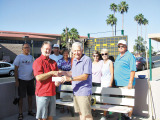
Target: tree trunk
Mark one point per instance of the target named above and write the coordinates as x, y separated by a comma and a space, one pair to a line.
122, 20
141, 38
137, 30
112, 31
141, 30
115, 25
115, 29
145, 32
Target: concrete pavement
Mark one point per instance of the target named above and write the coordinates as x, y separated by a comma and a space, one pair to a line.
67, 116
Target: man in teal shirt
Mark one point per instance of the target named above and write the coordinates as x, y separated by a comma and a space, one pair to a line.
124, 68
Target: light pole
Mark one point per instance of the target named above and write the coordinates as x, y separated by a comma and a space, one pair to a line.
25, 38
32, 48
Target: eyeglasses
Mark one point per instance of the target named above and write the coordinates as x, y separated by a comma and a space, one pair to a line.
104, 54
95, 55
121, 46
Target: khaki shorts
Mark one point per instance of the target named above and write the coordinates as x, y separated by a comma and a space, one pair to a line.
46, 106
82, 104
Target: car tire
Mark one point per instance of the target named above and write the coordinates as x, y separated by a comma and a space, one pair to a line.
11, 73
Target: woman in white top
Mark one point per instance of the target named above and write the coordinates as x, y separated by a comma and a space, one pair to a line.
96, 69
107, 71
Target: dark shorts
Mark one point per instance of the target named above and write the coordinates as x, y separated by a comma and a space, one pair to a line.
26, 86
96, 84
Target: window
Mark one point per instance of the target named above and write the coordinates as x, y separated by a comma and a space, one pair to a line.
2, 65
6, 65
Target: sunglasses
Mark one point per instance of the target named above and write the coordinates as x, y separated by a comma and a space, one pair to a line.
95, 55
104, 54
26, 47
121, 46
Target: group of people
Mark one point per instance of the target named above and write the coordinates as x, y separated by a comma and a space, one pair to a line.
80, 72
121, 73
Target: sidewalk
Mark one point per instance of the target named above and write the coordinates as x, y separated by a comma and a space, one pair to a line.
67, 116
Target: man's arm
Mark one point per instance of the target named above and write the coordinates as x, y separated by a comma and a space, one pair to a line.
45, 76
132, 75
77, 78
16, 75
65, 73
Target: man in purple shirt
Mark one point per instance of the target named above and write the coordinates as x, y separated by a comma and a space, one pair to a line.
81, 77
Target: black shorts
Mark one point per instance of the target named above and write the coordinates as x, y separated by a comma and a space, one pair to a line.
26, 86
96, 84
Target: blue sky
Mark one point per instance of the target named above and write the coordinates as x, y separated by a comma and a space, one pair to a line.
87, 16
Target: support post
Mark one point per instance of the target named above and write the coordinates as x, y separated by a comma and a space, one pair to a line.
150, 58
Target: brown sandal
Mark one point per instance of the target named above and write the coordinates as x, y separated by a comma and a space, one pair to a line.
20, 116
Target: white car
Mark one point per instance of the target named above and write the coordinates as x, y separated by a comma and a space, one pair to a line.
158, 53
6, 69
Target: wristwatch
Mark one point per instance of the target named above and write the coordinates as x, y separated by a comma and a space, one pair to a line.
71, 78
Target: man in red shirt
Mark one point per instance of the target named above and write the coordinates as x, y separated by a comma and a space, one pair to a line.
44, 68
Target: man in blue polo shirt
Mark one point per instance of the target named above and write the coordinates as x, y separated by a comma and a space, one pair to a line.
124, 68
81, 77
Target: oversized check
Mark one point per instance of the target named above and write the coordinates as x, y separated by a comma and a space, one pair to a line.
56, 79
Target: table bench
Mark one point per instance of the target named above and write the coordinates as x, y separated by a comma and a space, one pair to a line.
119, 100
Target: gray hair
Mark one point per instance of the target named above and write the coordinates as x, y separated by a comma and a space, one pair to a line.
104, 50
77, 44
46, 42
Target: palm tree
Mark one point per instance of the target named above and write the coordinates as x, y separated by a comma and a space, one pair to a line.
140, 21
136, 18
139, 46
64, 37
113, 8
122, 7
111, 21
74, 34
68, 34
145, 23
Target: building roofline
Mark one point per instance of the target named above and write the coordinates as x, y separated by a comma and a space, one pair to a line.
28, 33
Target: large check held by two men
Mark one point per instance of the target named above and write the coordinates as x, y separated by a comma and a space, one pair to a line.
56, 79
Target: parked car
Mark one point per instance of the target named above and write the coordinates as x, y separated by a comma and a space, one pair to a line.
141, 63
6, 69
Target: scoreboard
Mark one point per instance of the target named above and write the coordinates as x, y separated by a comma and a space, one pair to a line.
109, 43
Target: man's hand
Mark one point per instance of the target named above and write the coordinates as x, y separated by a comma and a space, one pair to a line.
60, 73
65, 78
17, 83
57, 83
129, 86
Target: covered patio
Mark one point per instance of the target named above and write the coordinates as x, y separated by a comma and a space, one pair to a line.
154, 84
156, 37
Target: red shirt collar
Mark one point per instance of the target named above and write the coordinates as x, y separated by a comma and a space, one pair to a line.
44, 57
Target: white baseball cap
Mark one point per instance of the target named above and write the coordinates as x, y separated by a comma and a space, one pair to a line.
122, 42
56, 45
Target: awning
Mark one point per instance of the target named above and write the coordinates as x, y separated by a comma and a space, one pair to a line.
155, 36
